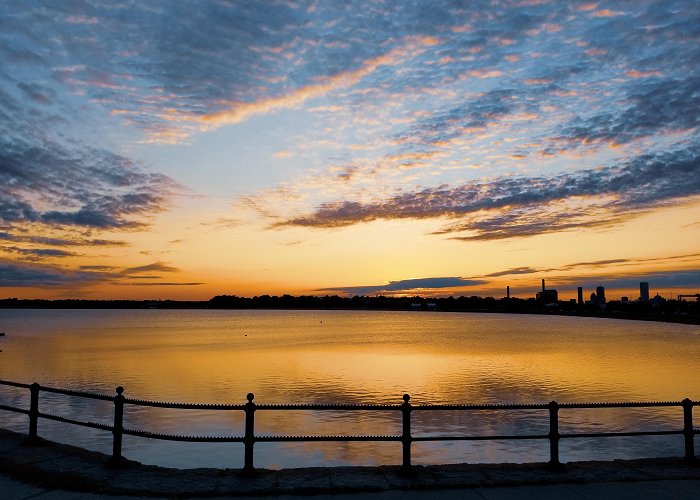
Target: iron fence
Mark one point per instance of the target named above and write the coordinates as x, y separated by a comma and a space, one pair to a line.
249, 438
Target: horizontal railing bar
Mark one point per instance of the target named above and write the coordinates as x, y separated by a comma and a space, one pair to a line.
65, 420
81, 394
190, 439
272, 439
15, 384
619, 434
479, 438
634, 404
482, 407
14, 409
183, 406
328, 407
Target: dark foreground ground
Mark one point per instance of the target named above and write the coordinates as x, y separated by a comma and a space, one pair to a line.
50, 470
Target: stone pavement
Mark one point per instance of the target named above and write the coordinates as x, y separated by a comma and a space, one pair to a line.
53, 471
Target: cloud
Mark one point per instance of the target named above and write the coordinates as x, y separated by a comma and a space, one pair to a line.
239, 111
15, 274
162, 283
409, 285
52, 185
60, 242
520, 206
512, 271
37, 253
651, 108
156, 266
25, 274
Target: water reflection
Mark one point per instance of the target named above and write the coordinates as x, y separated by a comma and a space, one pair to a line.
351, 357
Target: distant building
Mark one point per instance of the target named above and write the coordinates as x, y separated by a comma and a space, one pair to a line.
625, 299
657, 300
594, 298
547, 296
644, 291
600, 292
580, 295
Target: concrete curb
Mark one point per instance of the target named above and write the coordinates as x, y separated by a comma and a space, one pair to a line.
56, 466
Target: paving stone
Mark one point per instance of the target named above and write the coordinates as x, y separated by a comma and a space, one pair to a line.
357, 478
308, 480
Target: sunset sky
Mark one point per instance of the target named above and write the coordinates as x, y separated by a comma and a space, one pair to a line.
181, 150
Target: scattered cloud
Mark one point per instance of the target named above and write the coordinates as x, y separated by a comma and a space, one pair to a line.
519, 206
416, 286
16, 274
156, 266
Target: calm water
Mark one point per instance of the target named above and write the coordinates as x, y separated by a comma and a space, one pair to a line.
350, 357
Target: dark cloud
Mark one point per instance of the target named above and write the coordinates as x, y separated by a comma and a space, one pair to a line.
479, 112
675, 259
15, 274
156, 266
37, 93
514, 270
46, 182
523, 204
38, 253
28, 274
161, 283
97, 268
60, 242
408, 285
651, 108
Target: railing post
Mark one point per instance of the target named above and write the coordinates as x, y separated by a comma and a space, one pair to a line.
554, 435
688, 431
406, 438
249, 439
34, 412
118, 430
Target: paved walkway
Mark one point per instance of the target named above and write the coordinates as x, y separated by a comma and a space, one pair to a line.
53, 471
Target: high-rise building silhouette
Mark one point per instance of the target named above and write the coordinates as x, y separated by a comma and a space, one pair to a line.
580, 295
644, 291
600, 294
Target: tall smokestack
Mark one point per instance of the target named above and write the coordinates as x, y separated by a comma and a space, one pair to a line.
543, 284
508, 292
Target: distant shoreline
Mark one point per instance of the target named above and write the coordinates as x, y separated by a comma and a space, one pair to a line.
681, 312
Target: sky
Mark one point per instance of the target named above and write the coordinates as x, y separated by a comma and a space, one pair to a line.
181, 150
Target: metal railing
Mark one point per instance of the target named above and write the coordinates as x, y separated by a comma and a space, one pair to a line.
249, 438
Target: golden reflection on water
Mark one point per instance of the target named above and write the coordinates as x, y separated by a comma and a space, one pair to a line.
352, 357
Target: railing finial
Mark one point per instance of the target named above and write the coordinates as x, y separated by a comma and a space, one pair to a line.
250, 397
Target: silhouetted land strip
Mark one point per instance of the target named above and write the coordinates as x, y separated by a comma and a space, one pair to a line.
57, 466
675, 311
